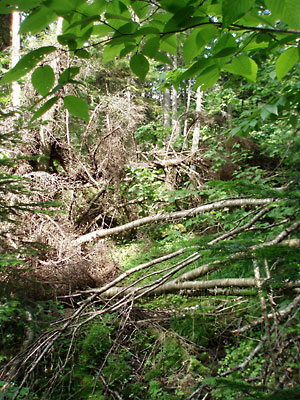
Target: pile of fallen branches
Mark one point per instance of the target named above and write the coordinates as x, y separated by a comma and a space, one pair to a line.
181, 277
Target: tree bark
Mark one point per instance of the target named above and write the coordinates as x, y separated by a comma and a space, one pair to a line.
196, 135
101, 233
15, 57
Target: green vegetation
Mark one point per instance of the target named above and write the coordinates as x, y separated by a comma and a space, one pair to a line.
149, 199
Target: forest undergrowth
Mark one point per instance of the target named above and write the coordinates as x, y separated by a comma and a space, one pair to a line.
149, 229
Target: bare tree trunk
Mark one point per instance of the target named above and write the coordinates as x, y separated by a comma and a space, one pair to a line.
188, 104
15, 56
196, 135
166, 108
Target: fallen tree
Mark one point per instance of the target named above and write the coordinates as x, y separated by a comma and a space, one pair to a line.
218, 205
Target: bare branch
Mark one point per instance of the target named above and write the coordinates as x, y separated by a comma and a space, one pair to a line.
101, 233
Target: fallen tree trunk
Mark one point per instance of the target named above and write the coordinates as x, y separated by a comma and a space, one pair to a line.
175, 286
102, 233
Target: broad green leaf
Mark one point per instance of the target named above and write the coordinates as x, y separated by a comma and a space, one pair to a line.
163, 58
234, 9
66, 38
208, 78
129, 27
68, 75
42, 110
243, 66
169, 44
95, 8
276, 7
26, 64
267, 110
191, 47
140, 8
206, 34
287, 11
118, 9
110, 52
127, 49
110, 16
173, 6
7, 6
139, 65
225, 46
77, 107
286, 61
81, 24
38, 20
180, 19
81, 53
196, 68
60, 7
101, 30
151, 47
43, 79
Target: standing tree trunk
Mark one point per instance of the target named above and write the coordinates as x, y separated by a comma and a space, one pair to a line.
15, 56
166, 103
188, 104
196, 135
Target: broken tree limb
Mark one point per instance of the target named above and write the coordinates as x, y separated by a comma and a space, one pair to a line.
102, 233
281, 315
175, 286
210, 267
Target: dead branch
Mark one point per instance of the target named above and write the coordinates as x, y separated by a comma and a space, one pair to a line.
179, 286
280, 315
101, 233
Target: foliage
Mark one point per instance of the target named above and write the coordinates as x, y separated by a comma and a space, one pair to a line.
113, 160
216, 36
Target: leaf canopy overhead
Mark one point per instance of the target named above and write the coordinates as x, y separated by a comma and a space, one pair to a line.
216, 36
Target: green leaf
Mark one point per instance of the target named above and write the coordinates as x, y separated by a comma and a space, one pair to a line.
191, 46
127, 49
92, 9
206, 34
43, 79
68, 75
77, 107
139, 65
110, 52
196, 68
7, 6
208, 78
234, 9
60, 7
140, 8
44, 108
151, 46
286, 61
162, 58
26, 64
225, 46
267, 110
81, 53
243, 66
38, 20
102, 30
287, 11
169, 44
